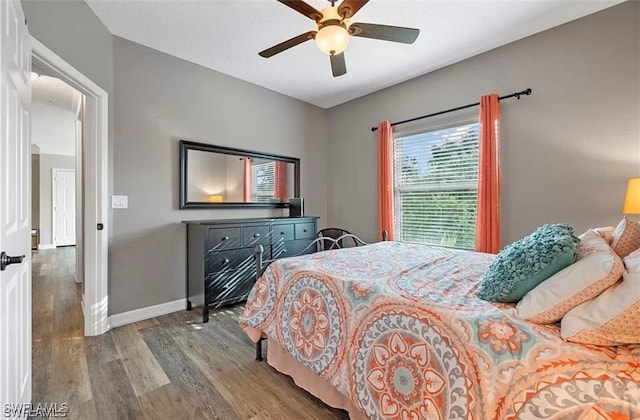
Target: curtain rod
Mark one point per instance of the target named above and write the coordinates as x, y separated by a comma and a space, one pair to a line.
513, 95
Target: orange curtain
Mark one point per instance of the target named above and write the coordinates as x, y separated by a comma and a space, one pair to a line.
246, 190
280, 185
385, 179
488, 214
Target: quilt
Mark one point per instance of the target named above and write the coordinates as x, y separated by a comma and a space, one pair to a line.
398, 329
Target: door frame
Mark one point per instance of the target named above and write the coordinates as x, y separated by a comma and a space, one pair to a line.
94, 176
54, 203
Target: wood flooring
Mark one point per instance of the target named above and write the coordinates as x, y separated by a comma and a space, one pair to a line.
169, 367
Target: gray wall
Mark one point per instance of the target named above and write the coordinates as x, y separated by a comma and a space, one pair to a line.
47, 163
71, 30
159, 100
567, 150
235, 180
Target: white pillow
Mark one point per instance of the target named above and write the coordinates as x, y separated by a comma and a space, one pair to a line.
611, 319
605, 232
595, 270
632, 262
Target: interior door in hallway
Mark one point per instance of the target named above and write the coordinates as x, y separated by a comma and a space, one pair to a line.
64, 207
15, 211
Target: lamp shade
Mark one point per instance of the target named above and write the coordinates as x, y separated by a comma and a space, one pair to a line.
215, 198
632, 198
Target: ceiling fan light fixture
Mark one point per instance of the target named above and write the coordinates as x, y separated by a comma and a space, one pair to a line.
333, 35
332, 39
334, 30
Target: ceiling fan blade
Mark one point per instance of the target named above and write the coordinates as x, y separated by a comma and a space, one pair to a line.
348, 8
384, 32
276, 49
302, 7
338, 65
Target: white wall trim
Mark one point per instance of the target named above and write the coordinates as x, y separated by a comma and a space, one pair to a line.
95, 176
147, 313
46, 246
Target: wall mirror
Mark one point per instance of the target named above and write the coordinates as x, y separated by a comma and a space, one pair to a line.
216, 177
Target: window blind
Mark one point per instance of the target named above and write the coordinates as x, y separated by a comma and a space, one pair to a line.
436, 186
264, 181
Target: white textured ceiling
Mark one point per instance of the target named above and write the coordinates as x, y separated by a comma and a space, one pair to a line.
53, 114
55, 92
226, 35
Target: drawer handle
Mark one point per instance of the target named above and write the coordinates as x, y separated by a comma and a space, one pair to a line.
256, 235
226, 238
284, 251
226, 261
304, 230
281, 233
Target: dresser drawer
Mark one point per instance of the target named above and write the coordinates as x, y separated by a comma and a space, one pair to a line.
283, 232
228, 287
305, 231
291, 248
225, 238
254, 235
231, 260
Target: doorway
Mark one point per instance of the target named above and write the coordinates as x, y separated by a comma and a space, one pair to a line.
91, 185
56, 145
63, 207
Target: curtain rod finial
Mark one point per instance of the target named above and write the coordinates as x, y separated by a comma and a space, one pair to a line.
524, 92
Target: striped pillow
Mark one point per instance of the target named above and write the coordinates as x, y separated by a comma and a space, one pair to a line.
611, 319
596, 269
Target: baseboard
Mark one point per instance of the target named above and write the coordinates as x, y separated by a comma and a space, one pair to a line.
146, 313
46, 246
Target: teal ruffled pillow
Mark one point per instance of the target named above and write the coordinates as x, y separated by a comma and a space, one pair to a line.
526, 263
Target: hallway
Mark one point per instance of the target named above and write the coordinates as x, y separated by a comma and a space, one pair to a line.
56, 297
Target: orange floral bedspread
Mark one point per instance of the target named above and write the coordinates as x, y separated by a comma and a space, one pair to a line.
398, 329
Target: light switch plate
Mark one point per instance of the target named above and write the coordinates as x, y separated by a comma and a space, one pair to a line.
119, 201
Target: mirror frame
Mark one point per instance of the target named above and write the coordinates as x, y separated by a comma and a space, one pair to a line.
186, 145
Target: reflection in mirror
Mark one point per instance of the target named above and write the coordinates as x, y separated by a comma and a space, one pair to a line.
220, 178
211, 176
267, 180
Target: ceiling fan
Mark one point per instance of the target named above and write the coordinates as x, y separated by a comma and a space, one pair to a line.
334, 29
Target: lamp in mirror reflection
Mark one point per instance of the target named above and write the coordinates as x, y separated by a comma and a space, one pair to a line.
216, 198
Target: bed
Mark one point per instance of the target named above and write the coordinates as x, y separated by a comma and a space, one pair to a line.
395, 330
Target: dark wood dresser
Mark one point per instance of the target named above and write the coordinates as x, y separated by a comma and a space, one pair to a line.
220, 255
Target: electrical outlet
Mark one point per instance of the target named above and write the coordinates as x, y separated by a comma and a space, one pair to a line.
119, 201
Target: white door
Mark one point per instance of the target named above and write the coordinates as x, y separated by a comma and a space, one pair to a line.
64, 207
15, 203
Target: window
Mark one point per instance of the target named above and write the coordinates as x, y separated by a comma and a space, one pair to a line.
436, 186
263, 181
